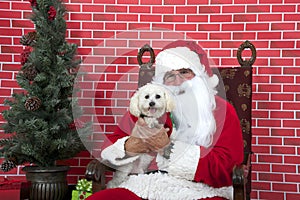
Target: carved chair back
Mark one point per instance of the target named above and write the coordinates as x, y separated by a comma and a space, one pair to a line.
237, 82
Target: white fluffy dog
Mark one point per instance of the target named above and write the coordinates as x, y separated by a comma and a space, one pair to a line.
149, 102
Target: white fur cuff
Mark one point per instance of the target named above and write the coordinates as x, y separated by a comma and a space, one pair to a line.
115, 153
184, 160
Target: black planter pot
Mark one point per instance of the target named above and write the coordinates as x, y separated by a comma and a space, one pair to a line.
47, 183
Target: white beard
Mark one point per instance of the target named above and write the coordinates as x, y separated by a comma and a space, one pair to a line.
193, 116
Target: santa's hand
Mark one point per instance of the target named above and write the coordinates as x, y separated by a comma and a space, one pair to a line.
159, 141
141, 130
134, 146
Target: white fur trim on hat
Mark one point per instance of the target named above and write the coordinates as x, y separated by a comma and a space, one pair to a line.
178, 58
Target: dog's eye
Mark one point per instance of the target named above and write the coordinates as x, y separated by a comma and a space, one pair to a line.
157, 96
147, 97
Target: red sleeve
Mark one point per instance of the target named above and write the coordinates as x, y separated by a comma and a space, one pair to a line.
216, 163
126, 125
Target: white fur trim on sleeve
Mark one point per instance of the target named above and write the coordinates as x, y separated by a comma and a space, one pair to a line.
116, 155
183, 160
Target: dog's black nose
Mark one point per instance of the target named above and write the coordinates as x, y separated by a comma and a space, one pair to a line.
151, 103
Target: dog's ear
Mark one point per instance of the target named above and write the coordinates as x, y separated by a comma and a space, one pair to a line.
170, 102
134, 105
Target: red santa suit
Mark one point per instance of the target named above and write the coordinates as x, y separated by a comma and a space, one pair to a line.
192, 171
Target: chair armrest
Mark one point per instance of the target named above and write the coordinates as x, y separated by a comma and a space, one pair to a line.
95, 172
238, 182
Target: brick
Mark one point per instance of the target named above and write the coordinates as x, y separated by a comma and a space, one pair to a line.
185, 27
209, 9
105, 1
219, 53
257, 26
282, 132
244, 18
270, 140
22, 23
292, 196
153, 2
269, 88
219, 36
197, 18
283, 150
115, 9
269, 70
261, 149
76, 8
292, 141
281, 114
291, 88
283, 8
268, 35
163, 9
140, 9
173, 18
221, 1
186, 10
282, 44
174, 2
269, 1
6, 5
220, 18
92, 8
81, 16
93, 25
197, 35
282, 97
291, 159
271, 195
258, 9
115, 26
284, 187
270, 176
10, 14
291, 35
197, 2
269, 17
244, 35
232, 27
269, 123
292, 17
208, 27
261, 185
291, 70
131, 2
104, 17
233, 9
282, 79
127, 17
283, 26
151, 18
285, 169
163, 26
4, 23
10, 32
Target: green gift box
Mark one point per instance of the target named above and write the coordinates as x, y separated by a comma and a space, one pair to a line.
79, 195
83, 190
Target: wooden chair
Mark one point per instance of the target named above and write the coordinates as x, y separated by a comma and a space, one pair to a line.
237, 89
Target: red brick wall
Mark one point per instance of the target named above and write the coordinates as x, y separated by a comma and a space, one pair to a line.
109, 33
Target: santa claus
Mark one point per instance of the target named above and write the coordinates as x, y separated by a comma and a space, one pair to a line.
198, 147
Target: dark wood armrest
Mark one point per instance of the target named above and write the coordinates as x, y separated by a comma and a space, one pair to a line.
238, 182
95, 172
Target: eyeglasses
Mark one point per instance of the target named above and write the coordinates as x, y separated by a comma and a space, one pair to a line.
182, 73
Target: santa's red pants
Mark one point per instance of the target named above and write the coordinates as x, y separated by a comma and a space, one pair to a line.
122, 194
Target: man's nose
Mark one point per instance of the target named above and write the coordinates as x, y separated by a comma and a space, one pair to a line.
178, 80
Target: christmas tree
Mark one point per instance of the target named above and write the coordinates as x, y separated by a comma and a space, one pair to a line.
40, 122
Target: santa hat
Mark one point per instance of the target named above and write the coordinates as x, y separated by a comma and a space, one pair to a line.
184, 54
